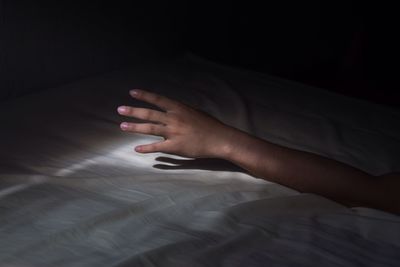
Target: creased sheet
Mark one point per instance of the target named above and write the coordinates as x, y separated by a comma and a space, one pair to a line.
74, 193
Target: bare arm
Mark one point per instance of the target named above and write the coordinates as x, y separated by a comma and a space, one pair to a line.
307, 172
188, 132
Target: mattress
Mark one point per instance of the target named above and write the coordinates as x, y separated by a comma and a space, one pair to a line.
73, 192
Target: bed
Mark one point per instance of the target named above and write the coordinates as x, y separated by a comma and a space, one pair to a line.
73, 192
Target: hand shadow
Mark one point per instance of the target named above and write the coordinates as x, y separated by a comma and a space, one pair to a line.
208, 164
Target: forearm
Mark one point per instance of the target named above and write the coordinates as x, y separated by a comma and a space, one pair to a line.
307, 172
191, 133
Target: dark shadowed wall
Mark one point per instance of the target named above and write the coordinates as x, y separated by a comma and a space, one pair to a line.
346, 46
47, 43
350, 47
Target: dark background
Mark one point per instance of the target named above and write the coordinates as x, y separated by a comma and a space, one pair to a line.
349, 47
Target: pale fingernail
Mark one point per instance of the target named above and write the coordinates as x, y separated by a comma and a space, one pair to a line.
134, 92
122, 109
138, 149
124, 126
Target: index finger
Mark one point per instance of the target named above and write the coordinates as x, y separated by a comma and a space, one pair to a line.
155, 99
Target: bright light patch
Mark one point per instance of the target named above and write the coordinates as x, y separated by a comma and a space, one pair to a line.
122, 155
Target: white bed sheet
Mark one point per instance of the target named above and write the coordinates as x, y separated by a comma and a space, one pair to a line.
74, 193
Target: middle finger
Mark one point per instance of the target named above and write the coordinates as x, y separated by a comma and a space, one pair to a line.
143, 114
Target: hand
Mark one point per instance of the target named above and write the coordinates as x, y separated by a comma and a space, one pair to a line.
191, 133
186, 131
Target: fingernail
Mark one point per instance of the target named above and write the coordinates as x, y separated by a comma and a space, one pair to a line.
134, 92
138, 149
124, 126
122, 109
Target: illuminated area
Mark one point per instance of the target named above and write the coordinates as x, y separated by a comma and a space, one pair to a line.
124, 161
123, 156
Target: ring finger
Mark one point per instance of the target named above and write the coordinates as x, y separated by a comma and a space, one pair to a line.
144, 128
143, 114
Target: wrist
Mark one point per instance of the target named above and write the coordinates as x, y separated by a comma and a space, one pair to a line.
230, 144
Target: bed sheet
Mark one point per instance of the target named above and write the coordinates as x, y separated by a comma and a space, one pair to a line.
74, 193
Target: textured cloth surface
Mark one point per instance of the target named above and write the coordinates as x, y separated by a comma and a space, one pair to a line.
74, 193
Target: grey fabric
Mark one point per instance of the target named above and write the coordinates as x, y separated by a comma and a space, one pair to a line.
74, 193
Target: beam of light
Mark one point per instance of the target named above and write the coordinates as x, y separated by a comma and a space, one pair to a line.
123, 154
33, 180
122, 160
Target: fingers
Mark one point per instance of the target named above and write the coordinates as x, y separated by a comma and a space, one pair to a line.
161, 146
143, 114
149, 115
155, 99
144, 128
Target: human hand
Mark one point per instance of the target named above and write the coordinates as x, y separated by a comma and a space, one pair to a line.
186, 131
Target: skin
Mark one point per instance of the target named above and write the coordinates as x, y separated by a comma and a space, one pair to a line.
180, 124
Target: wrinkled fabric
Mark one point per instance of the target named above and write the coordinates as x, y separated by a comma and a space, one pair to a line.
73, 192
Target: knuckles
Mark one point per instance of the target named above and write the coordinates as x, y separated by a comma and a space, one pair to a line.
145, 114
152, 128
